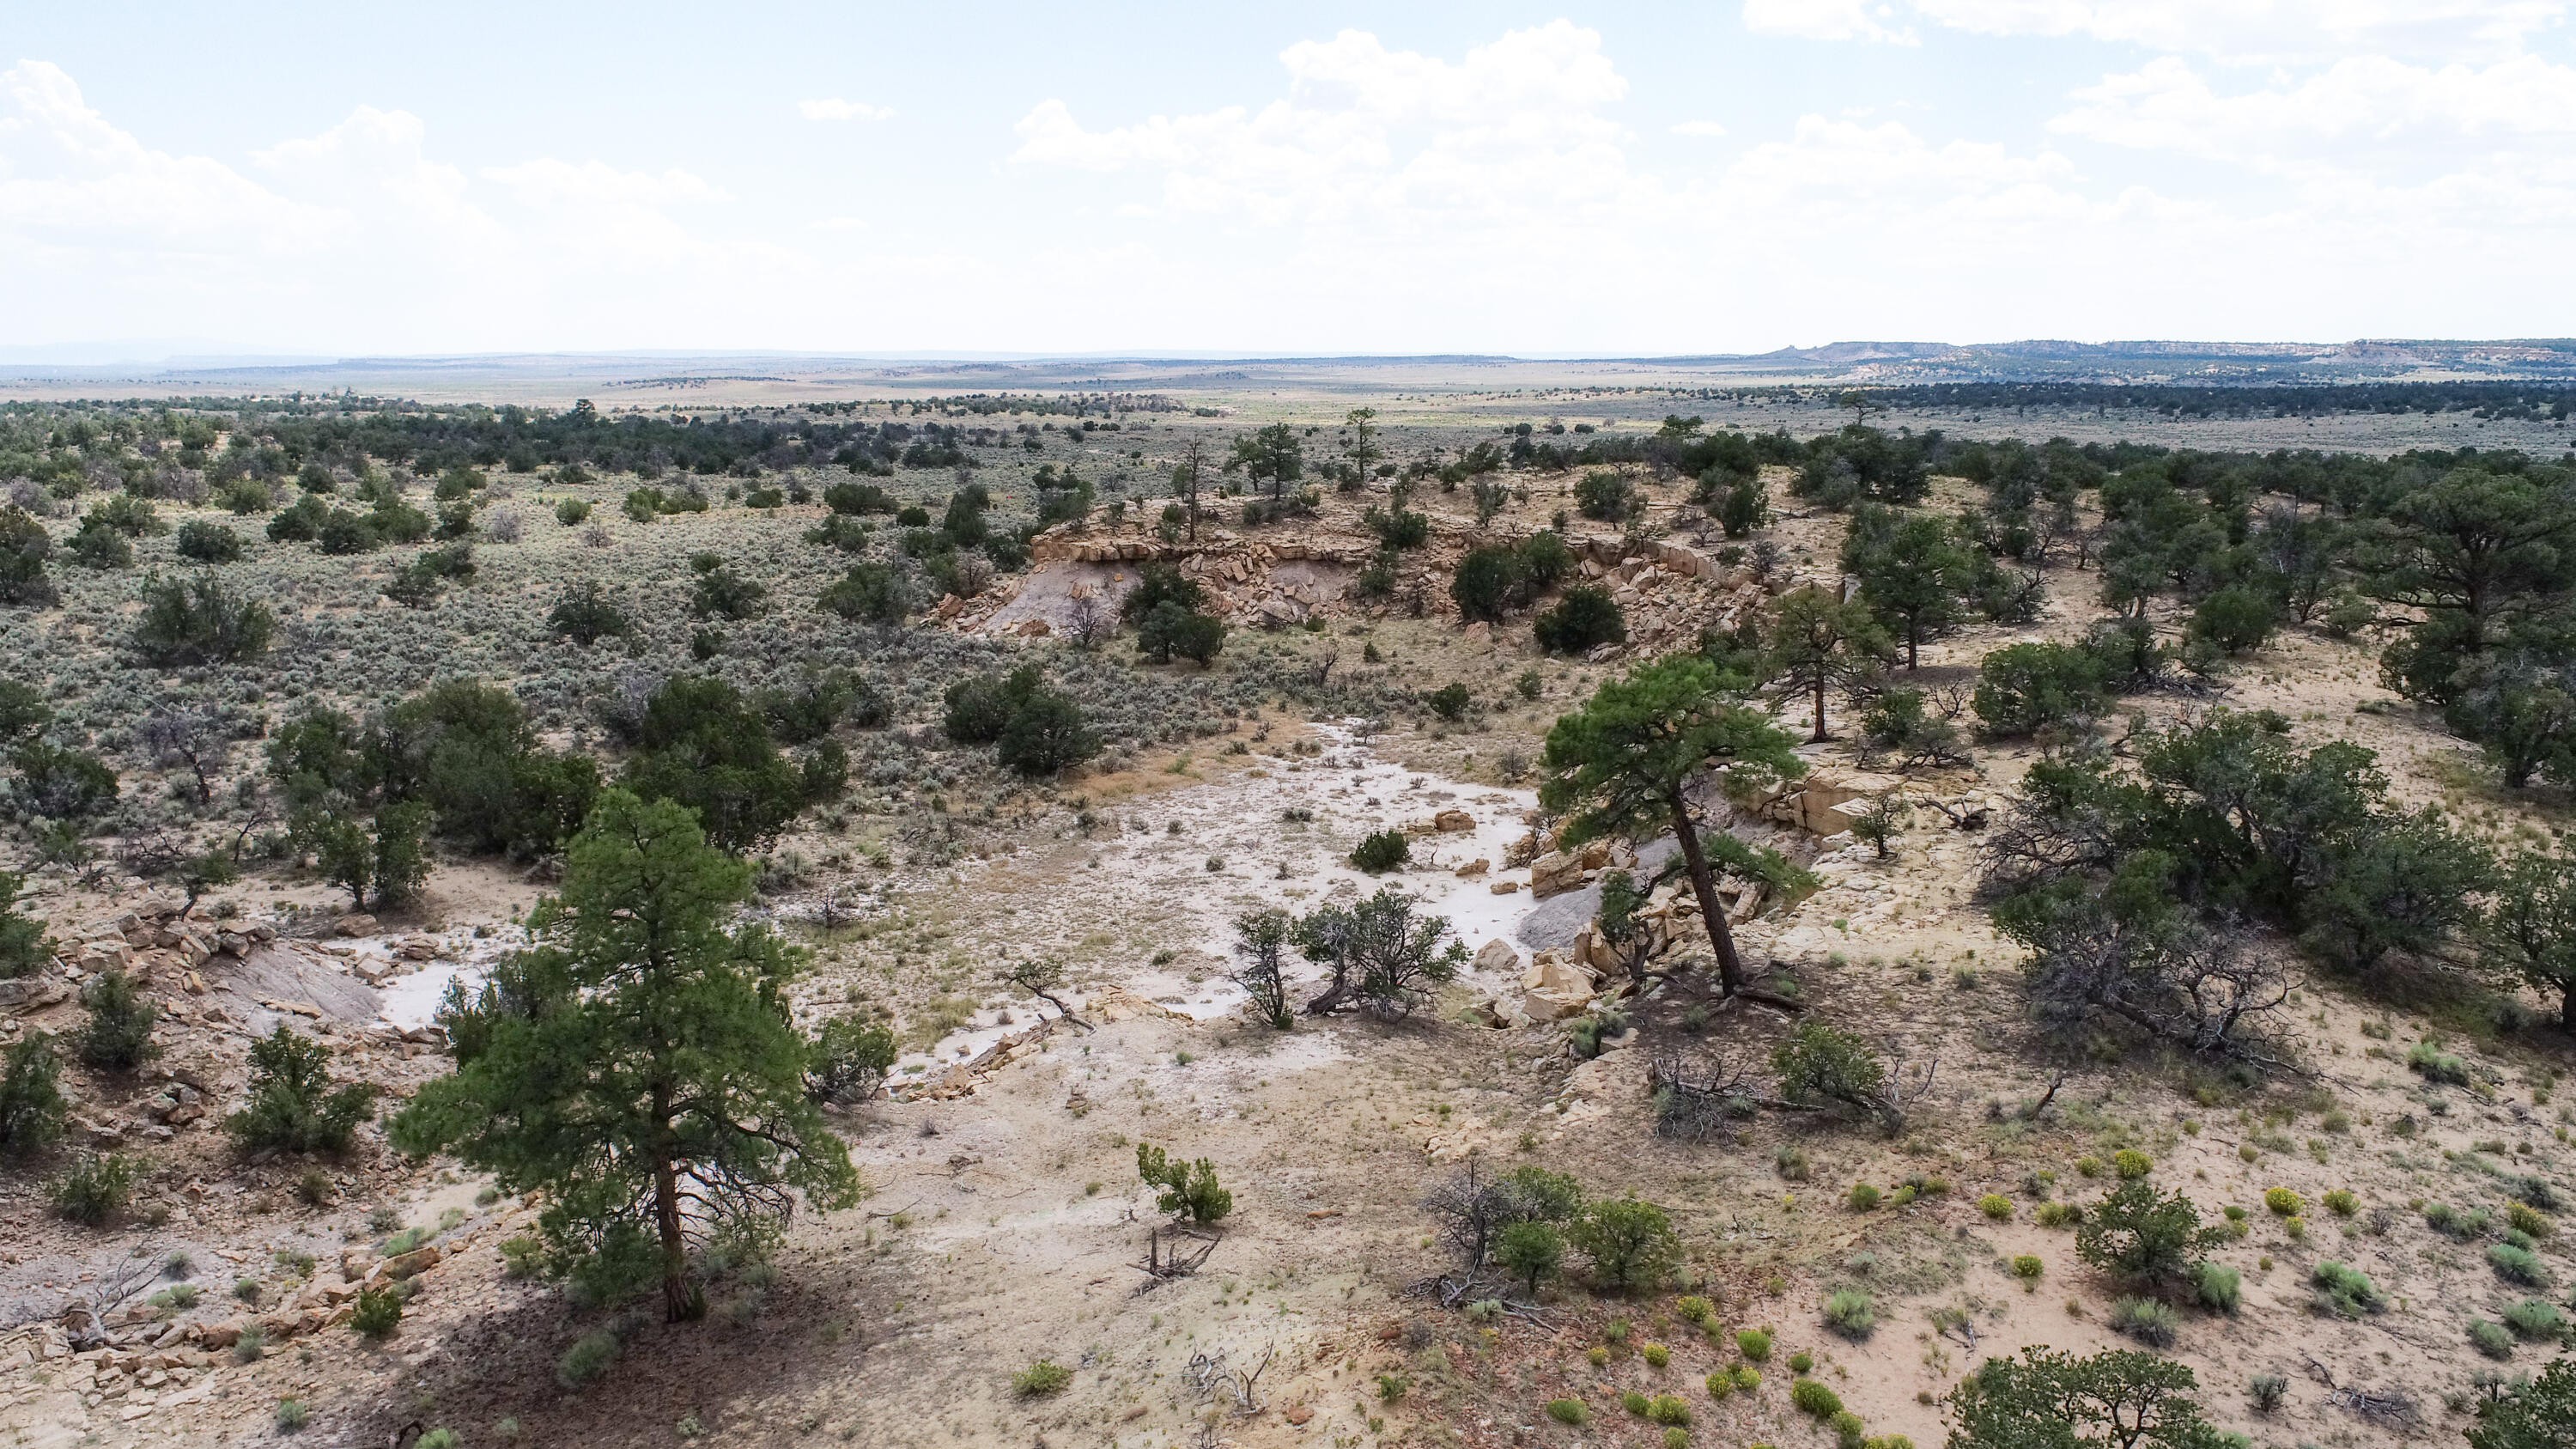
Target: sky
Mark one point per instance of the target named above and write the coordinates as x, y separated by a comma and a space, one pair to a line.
1553, 180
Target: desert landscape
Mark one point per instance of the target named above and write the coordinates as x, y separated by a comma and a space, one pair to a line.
1153, 915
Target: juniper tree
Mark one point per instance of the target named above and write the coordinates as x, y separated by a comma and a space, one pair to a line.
1819, 643
637, 1063
2117, 1399
1626, 762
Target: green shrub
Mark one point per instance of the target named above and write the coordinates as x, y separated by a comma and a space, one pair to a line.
199, 622
585, 614
2057, 1214
1584, 618
2436, 1065
1449, 701
1747, 1378
1847, 1428
572, 512
208, 543
1039, 1379
378, 1312
2027, 1266
1381, 852
1635, 1402
2490, 1339
1675, 1438
2131, 1163
2536, 1319
2266, 1391
1814, 1399
2516, 1265
252, 1346
848, 1059
2218, 1287
522, 1256
1568, 1411
2135, 1234
2528, 1220
1630, 1243
95, 1189
2341, 1203
1851, 1313
291, 1415
1801, 1361
292, 1106
31, 1101
1753, 1343
2346, 1291
1995, 1205
1656, 1355
1185, 1187
2144, 1319
2282, 1202
1668, 1409
118, 1035
588, 1358
1694, 1309
2025, 688
1862, 1198
1721, 1384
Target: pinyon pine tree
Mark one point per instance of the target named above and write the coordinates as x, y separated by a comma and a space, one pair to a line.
638, 1063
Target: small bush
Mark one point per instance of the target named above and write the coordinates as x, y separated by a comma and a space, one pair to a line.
2346, 1291
378, 1312
252, 1346
1747, 1378
2436, 1065
2266, 1391
2516, 1265
1694, 1309
1814, 1399
2537, 1319
291, 1415
118, 1035
2027, 1266
1635, 1402
588, 1358
2282, 1202
1381, 852
1585, 618
95, 1189
1801, 1361
1851, 1313
1721, 1384
2089, 1165
1568, 1411
2490, 1339
2342, 1203
1677, 1439
1847, 1427
1186, 1187
1995, 1205
1753, 1343
1039, 1379
2144, 1319
2130, 1163
1668, 1409
2057, 1214
1862, 1198
2218, 1287
1656, 1355
2525, 1219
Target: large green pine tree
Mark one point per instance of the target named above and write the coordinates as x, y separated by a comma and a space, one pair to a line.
1624, 764
637, 1063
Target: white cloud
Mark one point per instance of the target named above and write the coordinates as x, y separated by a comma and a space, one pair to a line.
1699, 128
2249, 31
836, 109
2365, 104
1826, 20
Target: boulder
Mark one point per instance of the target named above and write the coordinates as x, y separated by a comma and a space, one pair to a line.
357, 923
1503, 887
1555, 873
1546, 1006
1452, 821
406, 1265
1498, 957
1474, 868
1813, 805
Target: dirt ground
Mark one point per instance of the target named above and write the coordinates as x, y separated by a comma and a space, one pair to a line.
1006, 1223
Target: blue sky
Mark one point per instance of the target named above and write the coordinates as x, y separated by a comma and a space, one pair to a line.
1365, 178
